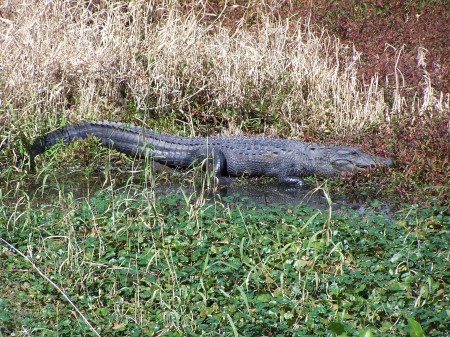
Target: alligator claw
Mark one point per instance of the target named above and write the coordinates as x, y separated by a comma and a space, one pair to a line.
293, 181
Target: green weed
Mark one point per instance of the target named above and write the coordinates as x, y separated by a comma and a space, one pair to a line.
138, 265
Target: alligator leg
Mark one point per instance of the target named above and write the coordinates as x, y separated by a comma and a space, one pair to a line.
221, 169
213, 161
292, 181
220, 163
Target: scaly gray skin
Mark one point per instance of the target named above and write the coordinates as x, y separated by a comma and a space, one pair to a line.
288, 160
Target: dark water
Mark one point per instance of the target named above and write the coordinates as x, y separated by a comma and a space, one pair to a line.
42, 190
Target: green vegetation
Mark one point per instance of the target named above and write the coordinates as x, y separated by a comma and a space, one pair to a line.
171, 266
116, 260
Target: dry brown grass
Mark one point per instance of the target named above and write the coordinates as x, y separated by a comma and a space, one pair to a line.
90, 59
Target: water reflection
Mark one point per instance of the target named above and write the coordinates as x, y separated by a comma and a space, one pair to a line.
246, 192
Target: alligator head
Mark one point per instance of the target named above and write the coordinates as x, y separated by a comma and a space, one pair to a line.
343, 158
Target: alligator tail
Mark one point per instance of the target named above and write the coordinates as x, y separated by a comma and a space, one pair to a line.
114, 135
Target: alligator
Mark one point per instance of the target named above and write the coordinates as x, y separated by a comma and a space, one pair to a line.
287, 160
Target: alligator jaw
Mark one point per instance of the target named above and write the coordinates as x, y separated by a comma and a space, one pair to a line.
353, 159
382, 161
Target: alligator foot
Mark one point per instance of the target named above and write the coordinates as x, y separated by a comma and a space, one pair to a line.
293, 181
225, 181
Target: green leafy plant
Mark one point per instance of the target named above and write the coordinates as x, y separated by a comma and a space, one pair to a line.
415, 330
175, 265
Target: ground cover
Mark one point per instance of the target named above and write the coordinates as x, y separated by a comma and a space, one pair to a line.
171, 266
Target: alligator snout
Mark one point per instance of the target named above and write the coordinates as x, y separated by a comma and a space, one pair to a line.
383, 161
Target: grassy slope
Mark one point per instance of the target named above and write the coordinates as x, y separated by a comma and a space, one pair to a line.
233, 69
